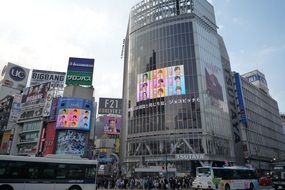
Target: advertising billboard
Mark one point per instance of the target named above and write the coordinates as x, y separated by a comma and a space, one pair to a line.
14, 76
80, 71
35, 94
112, 125
53, 110
41, 76
110, 106
71, 142
66, 102
49, 139
241, 101
15, 109
214, 86
48, 104
168, 81
30, 113
6, 143
73, 118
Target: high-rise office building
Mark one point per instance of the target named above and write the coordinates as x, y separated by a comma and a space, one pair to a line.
175, 110
283, 122
260, 124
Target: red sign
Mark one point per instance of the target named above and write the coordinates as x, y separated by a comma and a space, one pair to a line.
49, 147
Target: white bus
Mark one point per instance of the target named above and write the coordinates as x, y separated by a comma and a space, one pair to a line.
39, 173
225, 178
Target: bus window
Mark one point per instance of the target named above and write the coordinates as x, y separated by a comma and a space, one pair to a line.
76, 172
90, 172
218, 173
205, 171
13, 171
32, 171
62, 171
3, 166
48, 171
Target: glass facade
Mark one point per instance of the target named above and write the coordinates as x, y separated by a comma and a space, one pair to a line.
196, 122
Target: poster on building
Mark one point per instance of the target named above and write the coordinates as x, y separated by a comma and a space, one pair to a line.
15, 108
35, 94
80, 71
41, 76
110, 106
73, 118
112, 125
30, 113
53, 112
6, 142
168, 81
48, 104
49, 145
215, 86
71, 142
14, 76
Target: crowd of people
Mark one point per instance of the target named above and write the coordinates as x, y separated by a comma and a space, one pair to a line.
145, 182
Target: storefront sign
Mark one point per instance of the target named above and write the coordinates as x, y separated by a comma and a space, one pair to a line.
40, 76
110, 106
190, 156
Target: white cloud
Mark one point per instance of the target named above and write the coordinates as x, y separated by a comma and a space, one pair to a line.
44, 34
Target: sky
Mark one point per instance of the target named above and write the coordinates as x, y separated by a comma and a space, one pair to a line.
44, 34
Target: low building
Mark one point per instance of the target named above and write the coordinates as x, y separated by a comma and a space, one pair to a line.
261, 129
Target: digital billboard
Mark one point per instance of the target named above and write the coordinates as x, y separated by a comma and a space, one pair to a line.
80, 71
71, 142
35, 94
73, 118
112, 125
41, 76
168, 81
68, 102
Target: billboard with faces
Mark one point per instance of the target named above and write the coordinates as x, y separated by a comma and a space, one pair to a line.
73, 118
112, 125
168, 81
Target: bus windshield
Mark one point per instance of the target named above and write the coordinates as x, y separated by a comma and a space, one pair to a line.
204, 171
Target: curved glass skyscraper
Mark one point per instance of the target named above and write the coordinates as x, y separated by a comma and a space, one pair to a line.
175, 101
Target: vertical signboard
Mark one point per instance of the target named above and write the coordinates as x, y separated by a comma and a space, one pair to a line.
80, 71
48, 104
49, 146
215, 86
242, 110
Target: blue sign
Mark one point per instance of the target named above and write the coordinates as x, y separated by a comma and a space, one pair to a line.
66, 102
17, 73
80, 64
242, 108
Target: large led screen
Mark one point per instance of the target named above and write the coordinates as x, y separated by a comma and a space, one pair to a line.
73, 118
71, 142
168, 81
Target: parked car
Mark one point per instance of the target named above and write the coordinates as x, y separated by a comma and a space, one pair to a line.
265, 181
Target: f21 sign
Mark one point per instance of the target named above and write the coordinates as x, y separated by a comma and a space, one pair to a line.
110, 106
